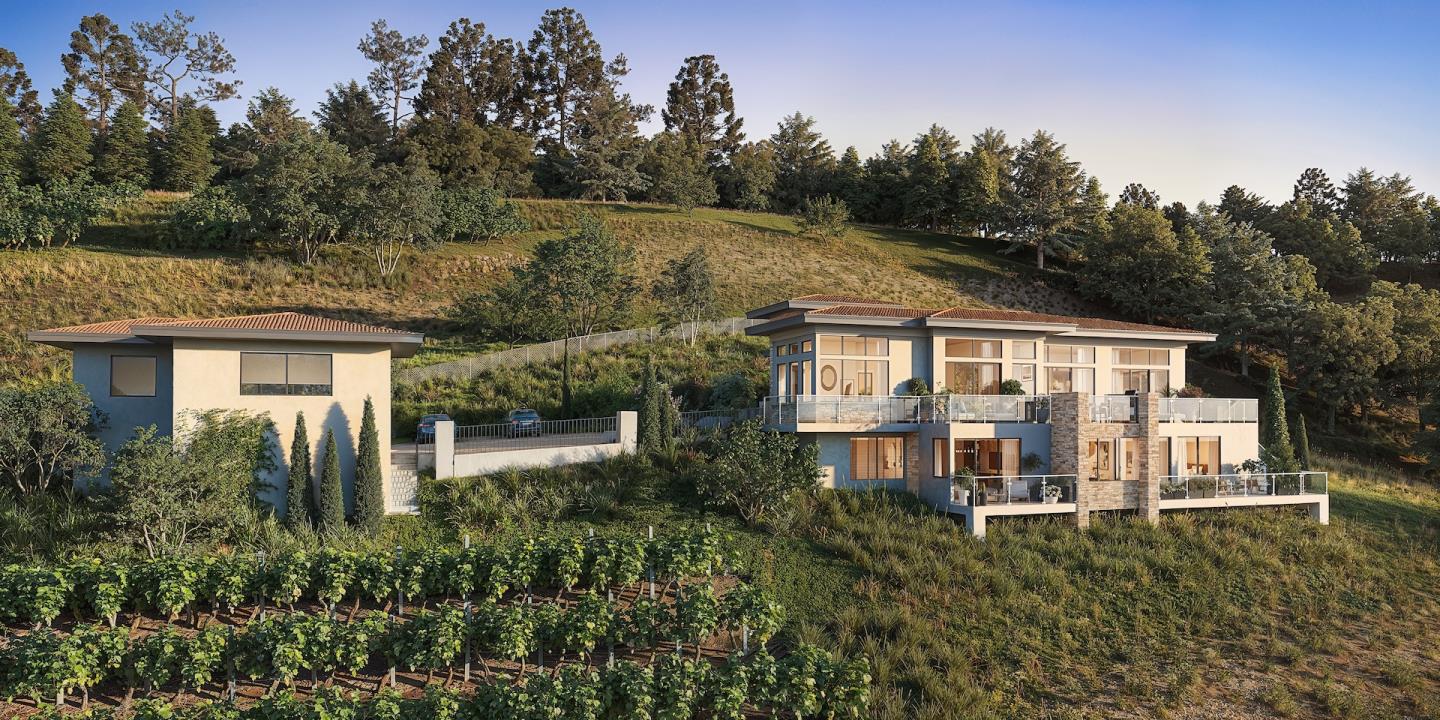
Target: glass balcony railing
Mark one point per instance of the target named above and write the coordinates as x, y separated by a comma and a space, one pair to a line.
1113, 408
1193, 487
1011, 489
890, 409
1210, 410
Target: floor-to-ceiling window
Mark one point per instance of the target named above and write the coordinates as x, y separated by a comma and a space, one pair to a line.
1202, 455
989, 457
968, 375
877, 458
854, 373
1099, 463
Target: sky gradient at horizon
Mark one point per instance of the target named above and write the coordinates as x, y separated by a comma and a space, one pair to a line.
1184, 97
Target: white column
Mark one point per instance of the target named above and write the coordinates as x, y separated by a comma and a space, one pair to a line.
627, 424
444, 449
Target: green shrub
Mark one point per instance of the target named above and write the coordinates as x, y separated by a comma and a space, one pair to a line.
824, 216
210, 219
755, 471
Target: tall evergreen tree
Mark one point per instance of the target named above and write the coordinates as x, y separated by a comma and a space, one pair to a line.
61, 148
473, 76
299, 493
984, 182
648, 434
10, 145
564, 71
886, 177
1277, 453
188, 155
179, 57
1302, 442
397, 66
104, 68
1340, 256
609, 150
927, 192
700, 105
803, 162
369, 483
124, 151
1244, 206
1315, 188
332, 495
849, 182
16, 89
272, 117
351, 117
1046, 197
1137, 194
1164, 272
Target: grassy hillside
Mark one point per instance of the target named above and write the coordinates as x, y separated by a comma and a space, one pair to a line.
121, 269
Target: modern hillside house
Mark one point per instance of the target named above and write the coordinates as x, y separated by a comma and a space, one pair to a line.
1090, 422
158, 371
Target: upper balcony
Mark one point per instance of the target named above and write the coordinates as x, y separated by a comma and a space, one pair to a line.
878, 410
868, 411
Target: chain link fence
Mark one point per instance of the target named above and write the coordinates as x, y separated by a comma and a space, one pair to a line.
471, 367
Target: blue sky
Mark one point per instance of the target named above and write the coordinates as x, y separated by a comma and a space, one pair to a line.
1184, 97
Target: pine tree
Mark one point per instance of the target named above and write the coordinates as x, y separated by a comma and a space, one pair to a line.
397, 66
669, 416
332, 497
700, 105
608, 150
351, 117
299, 498
650, 413
62, 145
369, 483
9, 141
927, 195
124, 152
103, 67
1278, 454
1302, 442
187, 155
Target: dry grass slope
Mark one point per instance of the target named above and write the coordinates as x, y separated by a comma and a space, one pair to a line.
120, 270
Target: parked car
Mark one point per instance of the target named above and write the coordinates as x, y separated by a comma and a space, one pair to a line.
523, 421
425, 431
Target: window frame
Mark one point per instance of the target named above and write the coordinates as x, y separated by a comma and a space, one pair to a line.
875, 446
289, 388
154, 375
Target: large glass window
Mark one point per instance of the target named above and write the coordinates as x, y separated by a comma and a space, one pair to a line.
968, 378
1202, 455
852, 345
1070, 353
988, 457
285, 374
1026, 375
877, 458
1140, 356
863, 377
1129, 459
132, 376
1064, 379
1098, 463
964, 347
1139, 381
938, 458
1162, 456
1023, 349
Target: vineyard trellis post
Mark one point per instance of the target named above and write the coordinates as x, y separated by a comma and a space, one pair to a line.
259, 586
399, 586
467, 618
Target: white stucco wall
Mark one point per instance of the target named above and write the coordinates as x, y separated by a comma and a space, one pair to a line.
207, 376
91, 368
1238, 442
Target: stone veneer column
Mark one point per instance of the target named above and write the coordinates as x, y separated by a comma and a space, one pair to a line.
911, 442
1147, 486
1069, 421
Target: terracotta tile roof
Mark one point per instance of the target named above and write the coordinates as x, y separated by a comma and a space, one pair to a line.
893, 311
875, 311
283, 321
845, 299
110, 327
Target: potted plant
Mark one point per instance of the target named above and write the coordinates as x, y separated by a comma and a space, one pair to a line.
1050, 494
960, 486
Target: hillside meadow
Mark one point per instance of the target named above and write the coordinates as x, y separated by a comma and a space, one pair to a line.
122, 268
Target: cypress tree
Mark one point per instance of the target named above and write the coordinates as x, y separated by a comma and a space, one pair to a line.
124, 151
1302, 442
1278, 453
299, 499
61, 148
332, 498
187, 157
650, 418
669, 416
369, 485
9, 141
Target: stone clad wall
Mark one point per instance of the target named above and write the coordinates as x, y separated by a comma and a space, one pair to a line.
1071, 429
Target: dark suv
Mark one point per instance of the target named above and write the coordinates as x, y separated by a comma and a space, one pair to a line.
523, 421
